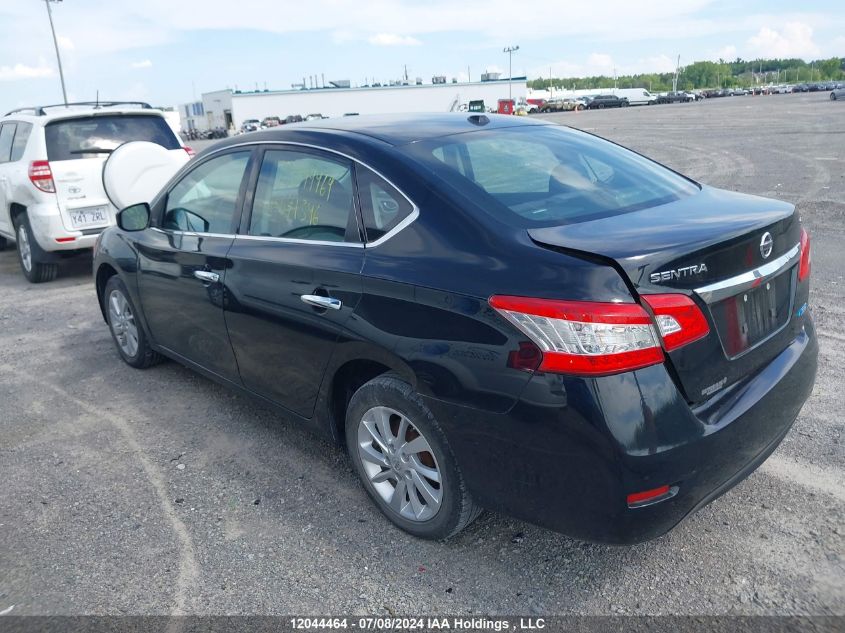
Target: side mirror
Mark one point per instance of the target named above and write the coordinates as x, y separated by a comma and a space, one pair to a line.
134, 218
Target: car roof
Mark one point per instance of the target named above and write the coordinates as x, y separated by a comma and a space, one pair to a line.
45, 114
398, 129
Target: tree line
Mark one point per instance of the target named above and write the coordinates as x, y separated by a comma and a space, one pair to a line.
721, 74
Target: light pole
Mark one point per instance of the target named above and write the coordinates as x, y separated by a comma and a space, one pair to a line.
510, 50
56, 44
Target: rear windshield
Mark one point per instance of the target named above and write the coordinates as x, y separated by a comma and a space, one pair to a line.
92, 137
550, 175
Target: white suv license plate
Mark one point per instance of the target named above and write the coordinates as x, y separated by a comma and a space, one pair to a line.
92, 216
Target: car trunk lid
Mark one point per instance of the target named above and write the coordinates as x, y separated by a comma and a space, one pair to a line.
717, 257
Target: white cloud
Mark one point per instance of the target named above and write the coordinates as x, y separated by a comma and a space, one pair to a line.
728, 53
794, 40
604, 64
392, 39
22, 71
146, 63
65, 43
600, 62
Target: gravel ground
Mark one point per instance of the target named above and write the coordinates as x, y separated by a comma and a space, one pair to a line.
157, 492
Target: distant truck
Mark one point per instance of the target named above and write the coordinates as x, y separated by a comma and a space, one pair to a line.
506, 106
635, 96
476, 106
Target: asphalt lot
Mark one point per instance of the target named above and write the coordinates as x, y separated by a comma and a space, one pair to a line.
156, 492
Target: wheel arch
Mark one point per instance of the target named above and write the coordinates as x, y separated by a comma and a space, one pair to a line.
355, 365
104, 272
16, 209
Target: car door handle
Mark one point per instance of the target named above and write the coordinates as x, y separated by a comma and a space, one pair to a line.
318, 301
206, 275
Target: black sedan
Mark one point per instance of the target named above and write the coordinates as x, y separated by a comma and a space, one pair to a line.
675, 97
600, 102
488, 312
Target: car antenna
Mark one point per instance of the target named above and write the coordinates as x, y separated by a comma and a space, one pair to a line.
97, 104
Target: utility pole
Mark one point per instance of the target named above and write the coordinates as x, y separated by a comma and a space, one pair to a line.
56, 44
510, 50
675, 78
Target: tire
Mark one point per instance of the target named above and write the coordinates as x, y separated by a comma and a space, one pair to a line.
3, 243
30, 254
624, 104
387, 412
127, 333
832, 98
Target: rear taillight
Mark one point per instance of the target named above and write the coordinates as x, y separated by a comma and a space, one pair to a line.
189, 151
804, 266
42, 176
678, 318
587, 338
650, 497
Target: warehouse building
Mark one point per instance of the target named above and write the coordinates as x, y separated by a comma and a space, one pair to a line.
229, 108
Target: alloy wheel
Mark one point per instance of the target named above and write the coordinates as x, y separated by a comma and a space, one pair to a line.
400, 464
24, 248
122, 322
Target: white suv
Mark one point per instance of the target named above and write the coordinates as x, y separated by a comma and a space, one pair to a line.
52, 199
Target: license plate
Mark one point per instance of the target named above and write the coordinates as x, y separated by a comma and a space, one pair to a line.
751, 316
92, 216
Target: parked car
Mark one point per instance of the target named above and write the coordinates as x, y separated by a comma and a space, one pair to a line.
270, 121
563, 105
607, 101
837, 93
293, 118
489, 311
315, 117
675, 97
52, 198
250, 125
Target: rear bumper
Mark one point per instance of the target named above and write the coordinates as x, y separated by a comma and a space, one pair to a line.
47, 227
568, 454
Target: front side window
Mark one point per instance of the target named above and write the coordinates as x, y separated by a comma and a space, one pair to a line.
7, 135
548, 175
21, 137
205, 200
382, 206
94, 136
303, 196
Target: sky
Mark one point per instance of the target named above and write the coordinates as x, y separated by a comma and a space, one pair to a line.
169, 52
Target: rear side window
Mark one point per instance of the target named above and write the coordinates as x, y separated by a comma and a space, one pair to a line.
548, 175
91, 137
303, 196
21, 137
382, 206
205, 200
7, 135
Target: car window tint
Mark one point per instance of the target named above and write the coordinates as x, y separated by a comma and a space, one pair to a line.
92, 137
510, 165
547, 175
21, 137
382, 206
7, 135
302, 196
205, 200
